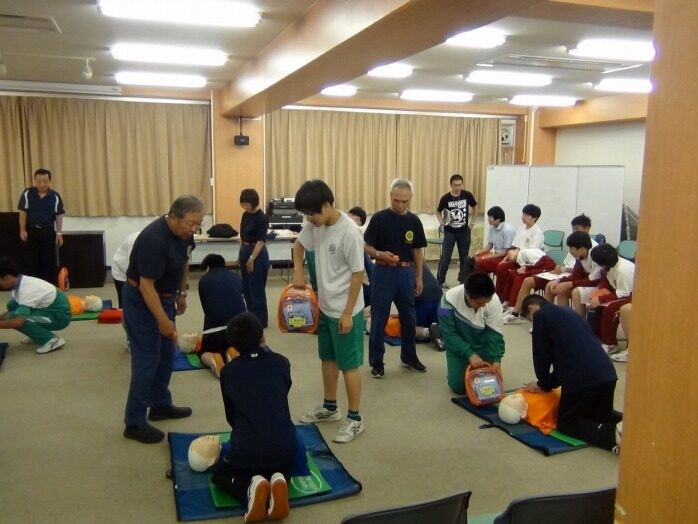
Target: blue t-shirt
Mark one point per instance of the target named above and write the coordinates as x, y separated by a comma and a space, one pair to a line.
40, 211
220, 291
399, 234
253, 226
160, 255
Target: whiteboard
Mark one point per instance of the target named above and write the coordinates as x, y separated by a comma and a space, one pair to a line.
554, 190
600, 196
507, 187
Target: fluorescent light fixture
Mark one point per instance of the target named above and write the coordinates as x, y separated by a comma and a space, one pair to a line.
201, 12
508, 78
433, 95
160, 79
482, 38
339, 90
543, 100
624, 85
58, 87
609, 49
391, 71
166, 54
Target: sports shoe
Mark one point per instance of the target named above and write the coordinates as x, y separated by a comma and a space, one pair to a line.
436, 336
321, 414
378, 371
216, 364
161, 413
610, 349
349, 430
621, 356
28, 342
530, 331
231, 353
278, 500
257, 496
146, 434
415, 365
52, 345
510, 319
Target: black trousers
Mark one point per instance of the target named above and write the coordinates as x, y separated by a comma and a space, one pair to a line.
39, 254
588, 415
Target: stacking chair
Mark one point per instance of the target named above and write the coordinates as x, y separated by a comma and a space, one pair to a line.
558, 255
593, 507
447, 510
552, 238
627, 249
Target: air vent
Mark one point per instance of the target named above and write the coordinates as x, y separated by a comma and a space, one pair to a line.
28, 23
549, 62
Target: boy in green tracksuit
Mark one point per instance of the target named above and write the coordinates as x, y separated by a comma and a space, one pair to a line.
470, 317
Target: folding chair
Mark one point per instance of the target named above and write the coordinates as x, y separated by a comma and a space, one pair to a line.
447, 510
627, 249
553, 238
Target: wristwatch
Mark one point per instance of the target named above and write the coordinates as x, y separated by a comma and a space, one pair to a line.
183, 294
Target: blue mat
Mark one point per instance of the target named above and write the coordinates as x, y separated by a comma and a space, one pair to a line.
186, 361
523, 432
193, 497
3, 349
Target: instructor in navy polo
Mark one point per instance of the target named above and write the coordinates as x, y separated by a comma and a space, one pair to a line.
457, 228
156, 291
40, 227
395, 238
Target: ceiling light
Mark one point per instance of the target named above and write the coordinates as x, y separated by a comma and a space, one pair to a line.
391, 71
633, 50
160, 79
433, 95
482, 38
624, 85
543, 100
87, 71
339, 90
508, 78
58, 87
165, 54
202, 12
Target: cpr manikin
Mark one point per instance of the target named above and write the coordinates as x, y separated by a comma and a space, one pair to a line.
512, 408
204, 452
187, 342
93, 303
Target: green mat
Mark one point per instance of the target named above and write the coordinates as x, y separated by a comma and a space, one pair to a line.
298, 487
566, 438
87, 315
194, 360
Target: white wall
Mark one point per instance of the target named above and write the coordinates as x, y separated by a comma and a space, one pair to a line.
606, 144
116, 229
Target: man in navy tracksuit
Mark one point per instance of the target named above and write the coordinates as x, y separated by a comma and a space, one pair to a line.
566, 353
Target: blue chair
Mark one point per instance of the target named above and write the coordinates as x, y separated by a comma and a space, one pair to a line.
600, 238
553, 238
447, 510
558, 255
627, 249
594, 507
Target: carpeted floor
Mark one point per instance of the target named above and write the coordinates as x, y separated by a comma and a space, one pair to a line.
63, 459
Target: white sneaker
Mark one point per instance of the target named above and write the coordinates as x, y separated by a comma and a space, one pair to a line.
52, 345
349, 430
610, 348
510, 319
257, 495
320, 414
619, 431
621, 356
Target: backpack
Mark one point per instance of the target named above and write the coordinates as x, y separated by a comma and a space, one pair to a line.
222, 231
298, 310
482, 385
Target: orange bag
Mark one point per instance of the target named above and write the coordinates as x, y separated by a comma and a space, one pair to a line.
392, 328
298, 310
483, 385
542, 409
63, 282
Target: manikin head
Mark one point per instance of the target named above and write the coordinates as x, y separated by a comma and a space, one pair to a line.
187, 341
93, 303
513, 408
204, 452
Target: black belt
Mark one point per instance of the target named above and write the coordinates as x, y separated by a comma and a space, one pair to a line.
41, 226
249, 243
401, 263
134, 283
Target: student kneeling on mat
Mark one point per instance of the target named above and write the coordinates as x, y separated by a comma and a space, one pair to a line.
36, 308
261, 452
566, 353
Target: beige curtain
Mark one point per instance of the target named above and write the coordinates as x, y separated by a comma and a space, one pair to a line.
13, 175
114, 158
359, 154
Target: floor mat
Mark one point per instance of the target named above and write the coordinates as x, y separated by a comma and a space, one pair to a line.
193, 497
552, 444
92, 315
186, 361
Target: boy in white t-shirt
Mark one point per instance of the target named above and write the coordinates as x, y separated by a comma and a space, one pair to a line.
339, 264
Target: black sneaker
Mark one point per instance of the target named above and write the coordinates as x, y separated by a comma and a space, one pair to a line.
168, 412
146, 434
436, 336
377, 371
415, 365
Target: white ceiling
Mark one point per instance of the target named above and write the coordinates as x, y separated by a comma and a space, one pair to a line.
55, 57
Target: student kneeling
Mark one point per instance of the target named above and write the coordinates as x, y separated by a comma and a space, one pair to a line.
262, 447
567, 354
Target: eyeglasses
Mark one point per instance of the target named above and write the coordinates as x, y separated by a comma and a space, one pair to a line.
192, 224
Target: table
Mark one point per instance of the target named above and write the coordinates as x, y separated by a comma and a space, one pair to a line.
280, 248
